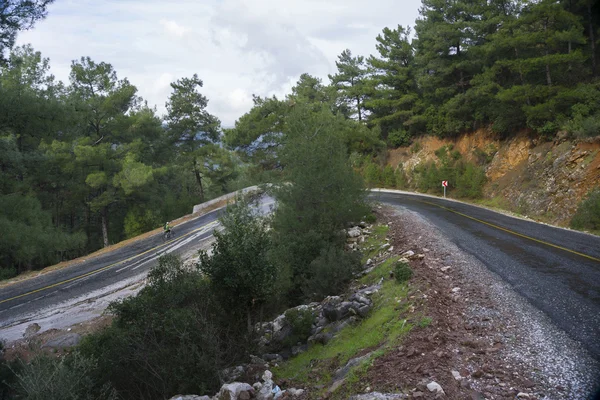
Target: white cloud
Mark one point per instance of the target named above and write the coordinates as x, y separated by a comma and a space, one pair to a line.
173, 28
237, 47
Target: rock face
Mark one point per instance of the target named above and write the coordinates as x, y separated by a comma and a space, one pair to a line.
531, 177
31, 330
65, 341
330, 316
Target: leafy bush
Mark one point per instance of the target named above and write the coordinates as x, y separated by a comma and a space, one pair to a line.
330, 272
173, 337
370, 218
301, 321
372, 174
240, 271
402, 272
388, 177
69, 378
588, 212
399, 138
7, 273
416, 147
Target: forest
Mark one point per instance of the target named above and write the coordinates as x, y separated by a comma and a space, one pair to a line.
88, 163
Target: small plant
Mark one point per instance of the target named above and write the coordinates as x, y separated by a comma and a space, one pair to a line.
588, 212
402, 272
425, 322
370, 218
416, 147
301, 321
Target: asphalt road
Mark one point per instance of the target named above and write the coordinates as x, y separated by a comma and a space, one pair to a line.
556, 270
94, 274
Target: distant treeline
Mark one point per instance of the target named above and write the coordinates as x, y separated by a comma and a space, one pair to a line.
88, 163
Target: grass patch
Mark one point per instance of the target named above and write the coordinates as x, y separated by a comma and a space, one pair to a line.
383, 328
374, 242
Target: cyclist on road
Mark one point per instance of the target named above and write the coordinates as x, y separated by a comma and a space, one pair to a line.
167, 228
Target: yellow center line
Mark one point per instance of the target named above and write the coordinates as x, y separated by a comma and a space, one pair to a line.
513, 232
96, 271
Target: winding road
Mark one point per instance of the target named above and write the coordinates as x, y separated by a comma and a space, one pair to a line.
557, 270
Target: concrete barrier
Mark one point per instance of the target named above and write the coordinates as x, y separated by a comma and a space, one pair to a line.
225, 197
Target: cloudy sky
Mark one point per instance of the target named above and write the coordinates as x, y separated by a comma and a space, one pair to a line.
237, 47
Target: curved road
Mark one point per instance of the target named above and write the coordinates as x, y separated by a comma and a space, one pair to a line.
557, 270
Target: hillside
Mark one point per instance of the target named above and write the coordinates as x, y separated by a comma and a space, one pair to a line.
542, 180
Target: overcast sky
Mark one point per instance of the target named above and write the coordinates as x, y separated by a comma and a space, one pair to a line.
237, 47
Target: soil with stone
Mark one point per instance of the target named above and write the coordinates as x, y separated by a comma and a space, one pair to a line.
484, 341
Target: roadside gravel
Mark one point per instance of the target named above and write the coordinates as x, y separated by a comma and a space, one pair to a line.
498, 345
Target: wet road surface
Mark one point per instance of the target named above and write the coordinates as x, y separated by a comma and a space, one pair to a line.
556, 270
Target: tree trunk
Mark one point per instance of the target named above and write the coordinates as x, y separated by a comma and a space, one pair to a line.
105, 226
358, 109
199, 180
592, 40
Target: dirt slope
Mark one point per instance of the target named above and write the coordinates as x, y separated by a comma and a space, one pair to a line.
543, 180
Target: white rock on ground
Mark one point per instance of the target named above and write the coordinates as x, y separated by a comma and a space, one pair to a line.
435, 387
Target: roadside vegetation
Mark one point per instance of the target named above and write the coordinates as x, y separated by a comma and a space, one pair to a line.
87, 163
587, 216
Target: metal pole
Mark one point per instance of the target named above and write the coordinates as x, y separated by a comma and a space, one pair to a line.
444, 191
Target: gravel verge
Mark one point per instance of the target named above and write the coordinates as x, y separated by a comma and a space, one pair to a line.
498, 345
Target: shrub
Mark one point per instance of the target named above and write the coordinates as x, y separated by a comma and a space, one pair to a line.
399, 138
241, 274
301, 321
330, 272
7, 273
402, 272
588, 212
173, 337
370, 218
69, 378
416, 147
388, 177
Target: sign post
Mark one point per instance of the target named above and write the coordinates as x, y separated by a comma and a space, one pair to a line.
444, 184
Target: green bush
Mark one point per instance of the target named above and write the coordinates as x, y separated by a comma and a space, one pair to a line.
301, 322
402, 272
416, 147
399, 138
370, 218
330, 272
588, 212
7, 273
388, 177
69, 378
173, 337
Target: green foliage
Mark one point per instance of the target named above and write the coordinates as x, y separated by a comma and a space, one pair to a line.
301, 322
372, 174
322, 196
29, 237
588, 212
241, 274
399, 138
173, 337
402, 272
18, 15
416, 147
69, 378
330, 272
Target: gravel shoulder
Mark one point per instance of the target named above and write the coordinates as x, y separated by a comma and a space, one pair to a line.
484, 341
